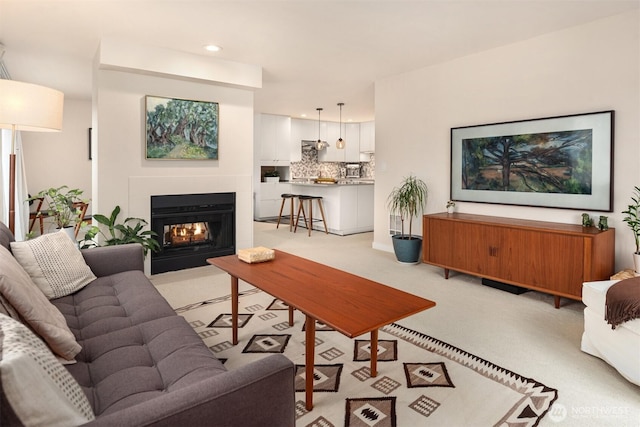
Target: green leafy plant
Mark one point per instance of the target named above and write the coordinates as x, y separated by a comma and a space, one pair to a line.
632, 217
407, 201
273, 173
60, 204
131, 230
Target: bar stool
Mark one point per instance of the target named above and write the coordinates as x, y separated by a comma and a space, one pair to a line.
291, 198
310, 199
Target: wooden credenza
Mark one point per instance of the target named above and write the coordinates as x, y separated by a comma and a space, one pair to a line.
544, 256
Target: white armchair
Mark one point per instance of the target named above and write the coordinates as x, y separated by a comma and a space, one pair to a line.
619, 347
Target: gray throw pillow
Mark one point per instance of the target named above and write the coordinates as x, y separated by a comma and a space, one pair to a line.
54, 263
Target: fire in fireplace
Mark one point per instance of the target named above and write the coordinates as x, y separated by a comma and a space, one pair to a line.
185, 234
192, 228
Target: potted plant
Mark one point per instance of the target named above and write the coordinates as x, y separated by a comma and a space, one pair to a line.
129, 231
451, 206
272, 176
407, 201
60, 205
632, 219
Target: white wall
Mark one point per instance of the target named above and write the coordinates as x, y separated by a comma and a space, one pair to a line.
122, 176
588, 68
54, 159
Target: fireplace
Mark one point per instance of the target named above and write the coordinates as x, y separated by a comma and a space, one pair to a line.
192, 228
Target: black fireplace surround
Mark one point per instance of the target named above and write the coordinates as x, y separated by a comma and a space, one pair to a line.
191, 228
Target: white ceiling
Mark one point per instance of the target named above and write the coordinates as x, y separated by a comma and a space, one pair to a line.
314, 53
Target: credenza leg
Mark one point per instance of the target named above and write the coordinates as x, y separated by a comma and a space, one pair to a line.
446, 273
557, 301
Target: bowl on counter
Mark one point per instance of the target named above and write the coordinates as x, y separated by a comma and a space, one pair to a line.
325, 181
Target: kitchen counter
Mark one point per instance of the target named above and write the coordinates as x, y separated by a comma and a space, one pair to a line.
348, 207
330, 184
303, 181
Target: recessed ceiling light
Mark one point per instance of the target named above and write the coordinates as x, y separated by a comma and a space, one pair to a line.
213, 48
303, 115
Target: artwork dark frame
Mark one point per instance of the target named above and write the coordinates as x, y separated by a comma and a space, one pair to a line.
556, 162
181, 129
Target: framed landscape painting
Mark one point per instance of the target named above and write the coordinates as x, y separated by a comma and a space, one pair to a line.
558, 162
179, 129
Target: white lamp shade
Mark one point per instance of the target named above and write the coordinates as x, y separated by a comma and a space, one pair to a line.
30, 107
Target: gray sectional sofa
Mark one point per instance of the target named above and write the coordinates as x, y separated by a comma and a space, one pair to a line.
141, 364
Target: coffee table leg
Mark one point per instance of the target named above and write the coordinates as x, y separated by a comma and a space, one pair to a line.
234, 309
310, 348
290, 316
374, 353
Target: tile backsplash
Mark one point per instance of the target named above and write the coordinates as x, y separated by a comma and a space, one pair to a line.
311, 167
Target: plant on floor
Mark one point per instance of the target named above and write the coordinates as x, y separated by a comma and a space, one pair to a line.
129, 231
60, 204
407, 201
632, 219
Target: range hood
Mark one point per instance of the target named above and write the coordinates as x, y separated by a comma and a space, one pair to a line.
308, 145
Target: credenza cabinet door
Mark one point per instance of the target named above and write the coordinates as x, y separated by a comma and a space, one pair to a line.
548, 261
548, 257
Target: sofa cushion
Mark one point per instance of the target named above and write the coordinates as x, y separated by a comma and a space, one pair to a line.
134, 346
6, 236
38, 387
111, 303
54, 263
36, 310
7, 309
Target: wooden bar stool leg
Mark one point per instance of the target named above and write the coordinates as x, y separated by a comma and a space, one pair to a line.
280, 213
291, 214
300, 209
326, 231
310, 216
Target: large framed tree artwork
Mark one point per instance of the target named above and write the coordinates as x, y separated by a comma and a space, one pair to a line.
558, 162
180, 129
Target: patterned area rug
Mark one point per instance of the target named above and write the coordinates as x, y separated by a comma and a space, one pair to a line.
421, 380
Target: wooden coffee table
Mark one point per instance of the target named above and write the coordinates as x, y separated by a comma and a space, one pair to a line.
348, 303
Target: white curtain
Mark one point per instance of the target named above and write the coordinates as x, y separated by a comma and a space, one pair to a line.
22, 207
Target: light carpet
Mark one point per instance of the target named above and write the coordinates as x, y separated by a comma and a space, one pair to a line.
523, 333
421, 380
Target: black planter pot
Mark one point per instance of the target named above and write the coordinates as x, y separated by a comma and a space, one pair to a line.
407, 249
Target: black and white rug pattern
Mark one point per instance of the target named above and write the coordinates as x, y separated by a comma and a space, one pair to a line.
421, 380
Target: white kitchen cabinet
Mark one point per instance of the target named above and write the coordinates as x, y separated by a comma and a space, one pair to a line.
367, 137
331, 135
351, 135
268, 199
273, 136
364, 217
301, 130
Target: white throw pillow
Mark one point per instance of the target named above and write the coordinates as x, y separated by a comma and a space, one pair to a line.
40, 390
43, 317
54, 263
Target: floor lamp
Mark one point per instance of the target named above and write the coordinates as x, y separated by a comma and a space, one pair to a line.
26, 107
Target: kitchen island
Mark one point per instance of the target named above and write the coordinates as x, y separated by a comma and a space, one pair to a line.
348, 205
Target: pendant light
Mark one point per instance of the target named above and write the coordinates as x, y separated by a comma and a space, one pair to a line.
320, 145
340, 143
